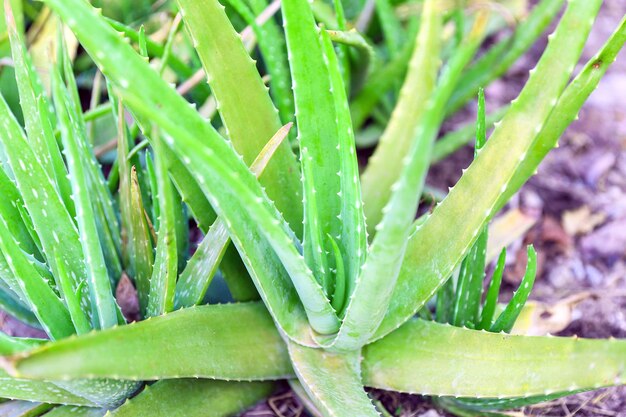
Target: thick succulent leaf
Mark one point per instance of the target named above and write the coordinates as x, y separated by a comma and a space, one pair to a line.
76, 411
377, 279
44, 303
232, 189
438, 246
165, 270
11, 303
72, 300
150, 173
50, 217
272, 46
23, 409
384, 169
37, 116
101, 392
10, 345
506, 319
352, 240
29, 390
566, 109
200, 270
493, 291
318, 137
332, 380
103, 312
472, 273
234, 79
9, 210
136, 240
429, 358
502, 55
190, 193
470, 284
235, 202
196, 278
194, 398
226, 341
233, 336
105, 213
477, 406
236, 277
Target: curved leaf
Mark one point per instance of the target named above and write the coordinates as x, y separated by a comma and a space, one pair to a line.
438, 246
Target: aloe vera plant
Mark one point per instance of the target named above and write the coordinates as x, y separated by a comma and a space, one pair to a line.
338, 261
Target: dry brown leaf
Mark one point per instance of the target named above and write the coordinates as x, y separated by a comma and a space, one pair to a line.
581, 221
506, 229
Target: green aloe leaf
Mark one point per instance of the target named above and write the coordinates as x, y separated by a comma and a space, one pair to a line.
506, 319
45, 304
47, 210
352, 240
566, 109
9, 210
37, 116
137, 243
224, 325
380, 271
103, 208
234, 79
317, 135
470, 284
196, 278
419, 357
194, 398
224, 178
477, 406
399, 136
104, 313
141, 250
272, 46
165, 269
11, 303
491, 299
29, 390
101, 392
440, 243
76, 411
428, 354
333, 381
10, 345
72, 300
